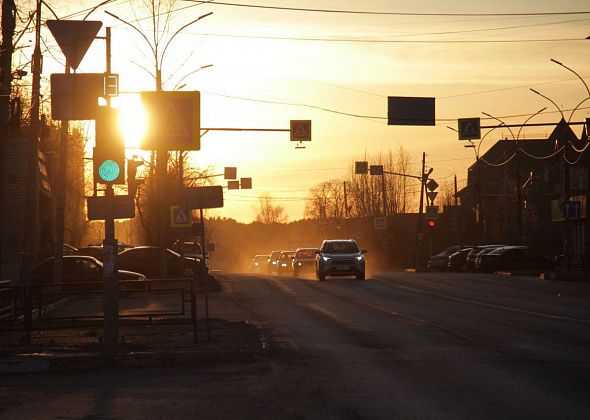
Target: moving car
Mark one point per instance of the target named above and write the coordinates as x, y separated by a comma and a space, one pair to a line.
146, 260
515, 258
273, 262
285, 262
340, 257
439, 261
304, 260
259, 263
83, 273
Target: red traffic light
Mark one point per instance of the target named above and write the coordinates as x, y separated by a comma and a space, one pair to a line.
431, 224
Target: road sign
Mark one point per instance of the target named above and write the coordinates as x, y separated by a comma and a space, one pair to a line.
300, 130
380, 223
404, 110
230, 172
469, 128
431, 195
233, 185
179, 217
361, 168
376, 169
431, 185
98, 207
246, 183
431, 213
74, 37
173, 120
203, 197
75, 96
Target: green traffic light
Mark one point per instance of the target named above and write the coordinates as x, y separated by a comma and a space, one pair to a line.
109, 170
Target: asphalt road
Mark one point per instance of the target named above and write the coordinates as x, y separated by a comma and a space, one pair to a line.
401, 345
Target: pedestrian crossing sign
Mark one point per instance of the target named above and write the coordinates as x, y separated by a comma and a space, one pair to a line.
300, 130
180, 217
469, 128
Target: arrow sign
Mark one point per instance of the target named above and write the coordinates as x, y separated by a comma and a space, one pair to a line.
74, 37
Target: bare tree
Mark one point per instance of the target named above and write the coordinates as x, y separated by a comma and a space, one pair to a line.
326, 200
268, 213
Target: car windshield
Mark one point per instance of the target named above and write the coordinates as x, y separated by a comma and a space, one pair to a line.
306, 253
341, 248
261, 258
275, 255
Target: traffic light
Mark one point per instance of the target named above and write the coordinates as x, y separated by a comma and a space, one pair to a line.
132, 181
109, 153
431, 225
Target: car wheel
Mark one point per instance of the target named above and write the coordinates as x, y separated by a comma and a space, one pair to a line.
360, 276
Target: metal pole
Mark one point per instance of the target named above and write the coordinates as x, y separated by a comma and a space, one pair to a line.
417, 265
384, 193
204, 275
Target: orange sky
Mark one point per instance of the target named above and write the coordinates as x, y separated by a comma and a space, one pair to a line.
334, 64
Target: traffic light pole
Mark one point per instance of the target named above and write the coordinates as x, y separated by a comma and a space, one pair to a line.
419, 233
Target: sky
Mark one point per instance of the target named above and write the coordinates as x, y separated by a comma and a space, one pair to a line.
270, 66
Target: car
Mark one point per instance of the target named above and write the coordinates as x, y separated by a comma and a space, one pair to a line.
273, 262
80, 269
91, 251
439, 261
457, 260
480, 254
146, 260
340, 257
285, 263
304, 260
515, 258
470, 261
188, 249
259, 263
68, 249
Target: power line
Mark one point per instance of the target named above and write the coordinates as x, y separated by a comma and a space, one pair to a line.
369, 12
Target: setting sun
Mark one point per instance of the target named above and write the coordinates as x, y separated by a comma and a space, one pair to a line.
132, 119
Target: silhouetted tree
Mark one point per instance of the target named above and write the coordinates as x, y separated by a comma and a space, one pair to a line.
267, 212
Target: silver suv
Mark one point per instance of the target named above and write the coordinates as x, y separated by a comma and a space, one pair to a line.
340, 257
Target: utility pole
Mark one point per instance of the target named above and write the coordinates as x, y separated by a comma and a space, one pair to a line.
519, 216
6, 49
419, 234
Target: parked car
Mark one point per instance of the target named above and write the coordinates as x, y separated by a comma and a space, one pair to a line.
285, 263
146, 260
340, 257
68, 249
457, 260
479, 255
259, 263
440, 261
515, 258
273, 262
304, 260
470, 261
80, 269
188, 249
91, 251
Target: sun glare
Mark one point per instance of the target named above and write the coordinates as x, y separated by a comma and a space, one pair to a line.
132, 119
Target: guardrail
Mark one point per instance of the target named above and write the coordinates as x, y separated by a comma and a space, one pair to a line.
37, 307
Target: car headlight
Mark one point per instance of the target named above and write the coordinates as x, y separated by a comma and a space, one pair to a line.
359, 258
274, 262
283, 264
326, 259
299, 264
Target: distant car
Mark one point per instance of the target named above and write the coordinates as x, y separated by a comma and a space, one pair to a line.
146, 260
188, 249
304, 260
439, 261
259, 263
340, 257
515, 258
81, 269
457, 260
470, 261
273, 262
285, 263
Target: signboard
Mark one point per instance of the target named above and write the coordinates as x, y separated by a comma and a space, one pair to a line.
75, 96
233, 185
409, 110
246, 183
380, 223
431, 213
376, 169
179, 217
469, 128
123, 207
431, 185
361, 168
203, 197
431, 195
173, 120
300, 130
230, 172
74, 37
